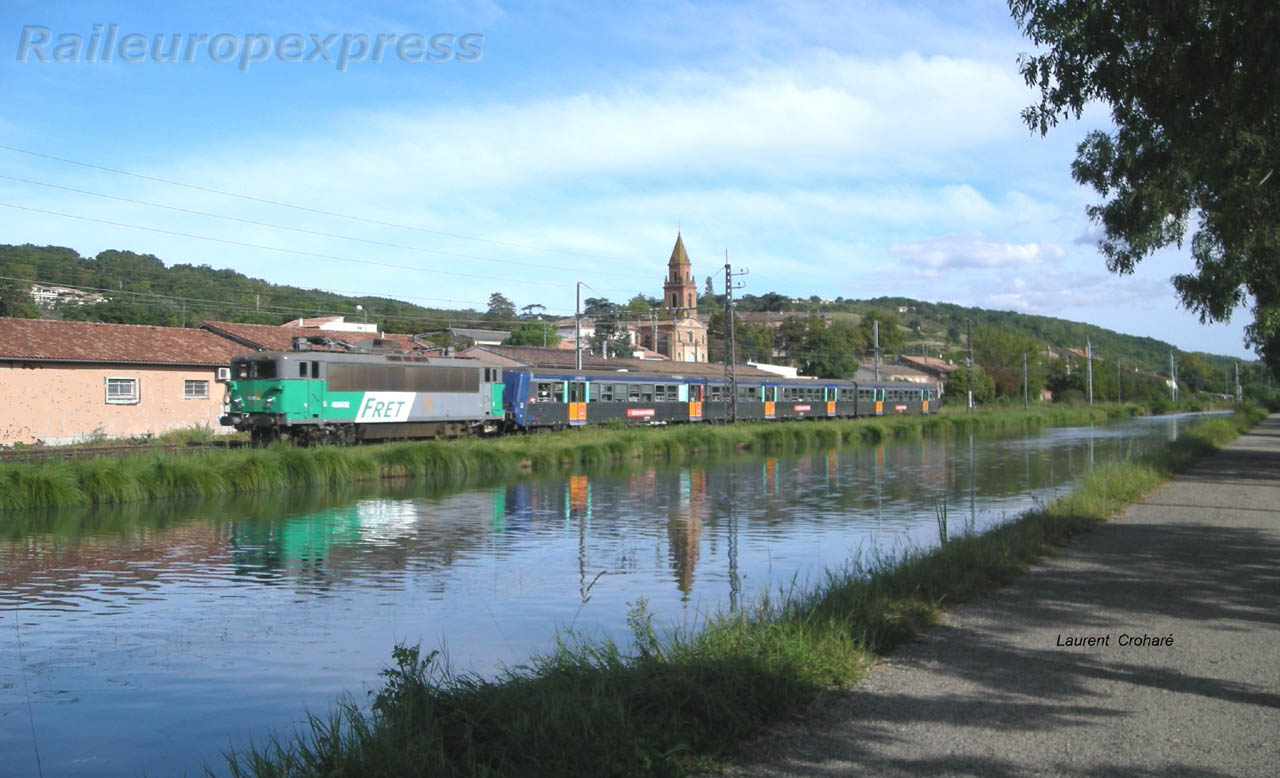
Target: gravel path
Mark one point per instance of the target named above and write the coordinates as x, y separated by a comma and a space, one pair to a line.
991, 692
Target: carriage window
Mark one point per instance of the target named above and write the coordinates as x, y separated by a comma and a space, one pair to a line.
646, 393
606, 393
557, 391
302, 369
315, 369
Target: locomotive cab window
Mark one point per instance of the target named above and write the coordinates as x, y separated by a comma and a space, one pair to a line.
544, 392
262, 369
302, 369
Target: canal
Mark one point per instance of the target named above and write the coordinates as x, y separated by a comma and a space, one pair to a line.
150, 639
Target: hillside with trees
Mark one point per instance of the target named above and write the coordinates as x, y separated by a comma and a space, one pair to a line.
821, 338
140, 289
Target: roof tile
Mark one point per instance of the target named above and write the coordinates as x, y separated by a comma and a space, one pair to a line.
81, 341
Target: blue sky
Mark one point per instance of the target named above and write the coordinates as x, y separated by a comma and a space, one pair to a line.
851, 149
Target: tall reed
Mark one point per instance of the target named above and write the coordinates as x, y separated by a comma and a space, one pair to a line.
458, 463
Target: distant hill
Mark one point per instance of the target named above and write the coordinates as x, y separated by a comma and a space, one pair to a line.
141, 289
941, 327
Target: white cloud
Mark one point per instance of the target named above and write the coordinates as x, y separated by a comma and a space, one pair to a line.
965, 252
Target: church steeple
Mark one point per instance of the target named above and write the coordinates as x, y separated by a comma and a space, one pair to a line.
679, 291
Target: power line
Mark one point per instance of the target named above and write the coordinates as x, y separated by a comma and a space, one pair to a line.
198, 303
279, 249
290, 229
306, 209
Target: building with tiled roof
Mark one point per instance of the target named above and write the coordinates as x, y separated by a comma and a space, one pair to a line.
67, 381
478, 337
269, 337
938, 368
891, 372
336, 324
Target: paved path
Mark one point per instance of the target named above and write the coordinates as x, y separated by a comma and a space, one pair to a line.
989, 692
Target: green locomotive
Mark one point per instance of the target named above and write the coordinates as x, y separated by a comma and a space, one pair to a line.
313, 396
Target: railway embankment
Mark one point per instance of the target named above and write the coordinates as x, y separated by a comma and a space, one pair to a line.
674, 703
157, 475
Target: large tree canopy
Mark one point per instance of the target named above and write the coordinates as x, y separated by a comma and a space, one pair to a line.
1192, 87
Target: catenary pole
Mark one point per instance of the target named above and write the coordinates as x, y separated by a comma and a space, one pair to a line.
577, 328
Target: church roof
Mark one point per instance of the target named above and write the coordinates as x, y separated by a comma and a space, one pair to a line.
678, 255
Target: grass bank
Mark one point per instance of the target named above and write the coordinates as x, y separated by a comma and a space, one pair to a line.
452, 464
669, 704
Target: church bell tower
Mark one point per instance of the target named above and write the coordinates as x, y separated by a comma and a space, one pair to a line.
679, 292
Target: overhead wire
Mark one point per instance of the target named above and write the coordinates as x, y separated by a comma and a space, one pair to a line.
300, 230
298, 252
308, 209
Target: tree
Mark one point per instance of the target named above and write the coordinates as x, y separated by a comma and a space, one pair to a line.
828, 352
532, 311
598, 306
1197, 375
641, 304
533, 334
965, 378
891, 337
15, 293
500, 308
1000, 352
1191, 87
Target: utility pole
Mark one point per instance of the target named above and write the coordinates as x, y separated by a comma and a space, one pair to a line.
577, 328
731, 353
875, 339
1025, 392
968, 364
1088, 356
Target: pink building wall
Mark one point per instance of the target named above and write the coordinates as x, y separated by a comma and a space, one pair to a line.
67, 403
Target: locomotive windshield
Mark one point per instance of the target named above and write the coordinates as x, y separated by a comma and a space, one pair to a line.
254, 368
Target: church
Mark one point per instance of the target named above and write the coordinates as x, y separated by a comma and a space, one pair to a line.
674, 330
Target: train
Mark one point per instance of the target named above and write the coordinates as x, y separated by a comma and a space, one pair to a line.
347, 396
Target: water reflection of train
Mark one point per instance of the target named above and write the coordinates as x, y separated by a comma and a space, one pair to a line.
337, 396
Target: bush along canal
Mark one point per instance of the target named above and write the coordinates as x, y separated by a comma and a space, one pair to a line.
216, 622
453, 464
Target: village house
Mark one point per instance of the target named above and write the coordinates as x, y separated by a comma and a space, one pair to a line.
65, 382
938, 369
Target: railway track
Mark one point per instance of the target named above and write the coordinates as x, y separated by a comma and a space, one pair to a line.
41, 454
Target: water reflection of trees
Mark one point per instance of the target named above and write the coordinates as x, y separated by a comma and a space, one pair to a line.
690, 516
